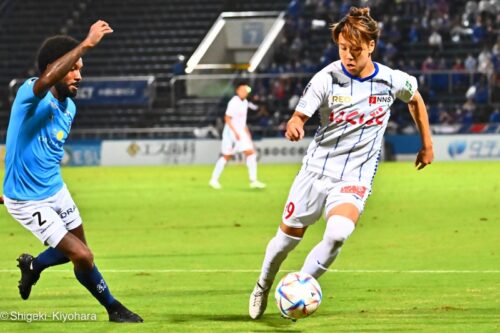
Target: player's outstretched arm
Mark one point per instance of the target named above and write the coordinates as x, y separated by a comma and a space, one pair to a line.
295, 126
419, 113
59, 68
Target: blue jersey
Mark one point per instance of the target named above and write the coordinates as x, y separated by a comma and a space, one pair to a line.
38, 128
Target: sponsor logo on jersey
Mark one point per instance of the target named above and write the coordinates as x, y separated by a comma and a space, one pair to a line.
68, 212
355, 117
356, 190
375, 99
409, 87
341, 99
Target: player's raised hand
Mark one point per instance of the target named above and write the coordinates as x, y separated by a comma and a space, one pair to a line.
424, 157
97, 31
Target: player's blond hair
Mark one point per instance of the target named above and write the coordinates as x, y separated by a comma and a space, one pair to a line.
357, 27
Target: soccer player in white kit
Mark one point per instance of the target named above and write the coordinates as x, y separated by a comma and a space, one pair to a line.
236, 138
341, 161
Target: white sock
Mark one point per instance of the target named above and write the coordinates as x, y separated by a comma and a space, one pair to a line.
219, 167
338, 229
252, 167
276, 252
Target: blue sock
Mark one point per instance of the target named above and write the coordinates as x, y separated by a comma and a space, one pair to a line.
94, 282
49, 257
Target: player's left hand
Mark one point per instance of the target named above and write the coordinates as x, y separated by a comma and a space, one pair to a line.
96, 33
424, 157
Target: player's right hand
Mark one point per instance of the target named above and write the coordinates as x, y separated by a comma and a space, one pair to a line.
97, 31
294, 131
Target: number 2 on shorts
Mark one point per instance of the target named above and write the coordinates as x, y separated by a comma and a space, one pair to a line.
40, 222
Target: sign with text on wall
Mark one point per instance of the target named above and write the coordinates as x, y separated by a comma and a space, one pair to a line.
158, 152
116, 91
467, 147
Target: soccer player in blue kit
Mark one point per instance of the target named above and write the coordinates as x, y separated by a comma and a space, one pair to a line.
34, 192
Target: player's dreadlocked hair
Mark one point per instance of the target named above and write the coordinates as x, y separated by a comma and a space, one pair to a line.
52, 49
357, 27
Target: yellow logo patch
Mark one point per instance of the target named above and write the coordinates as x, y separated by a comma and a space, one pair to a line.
341, 99
60, 135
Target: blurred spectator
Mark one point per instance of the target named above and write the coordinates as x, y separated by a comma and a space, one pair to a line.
482, 93
458, 64
487, 7
443, 8
459, 80
264, 118
495, 116
470, 12
465, 117
414, 34
442, 64
428, 64
394, 34
445, 117
293, 101
470, 63
478, 30
457, 31
179, 66
178, 69
485, 64
436, 41
294, 9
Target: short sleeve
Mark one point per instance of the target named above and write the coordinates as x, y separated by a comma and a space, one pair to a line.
313, 95
25, 93
405, 85
232, 107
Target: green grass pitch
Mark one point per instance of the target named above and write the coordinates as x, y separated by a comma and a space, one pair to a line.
424, 258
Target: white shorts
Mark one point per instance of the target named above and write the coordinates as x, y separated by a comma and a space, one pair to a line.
231, 146
49, 219
312, 194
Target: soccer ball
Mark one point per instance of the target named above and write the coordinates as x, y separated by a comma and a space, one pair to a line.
298, 295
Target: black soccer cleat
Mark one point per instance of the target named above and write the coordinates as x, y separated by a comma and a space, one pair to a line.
118, 313
28, 276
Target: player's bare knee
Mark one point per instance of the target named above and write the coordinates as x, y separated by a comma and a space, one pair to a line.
83, 258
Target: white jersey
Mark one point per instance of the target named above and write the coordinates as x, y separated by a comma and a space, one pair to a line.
237, 109
347, 144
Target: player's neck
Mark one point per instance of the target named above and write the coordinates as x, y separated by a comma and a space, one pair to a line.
368, 70
56, 94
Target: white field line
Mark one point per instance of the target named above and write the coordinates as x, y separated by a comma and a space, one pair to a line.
216, 271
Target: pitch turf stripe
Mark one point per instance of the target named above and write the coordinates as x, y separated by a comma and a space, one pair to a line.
355, 271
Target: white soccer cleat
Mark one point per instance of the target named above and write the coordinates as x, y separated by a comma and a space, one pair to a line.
258, 301
257, 184
215, 184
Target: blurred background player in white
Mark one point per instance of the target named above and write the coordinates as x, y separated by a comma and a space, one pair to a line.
339, 166
236, 137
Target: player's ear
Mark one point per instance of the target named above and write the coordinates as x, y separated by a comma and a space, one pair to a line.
371, 46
